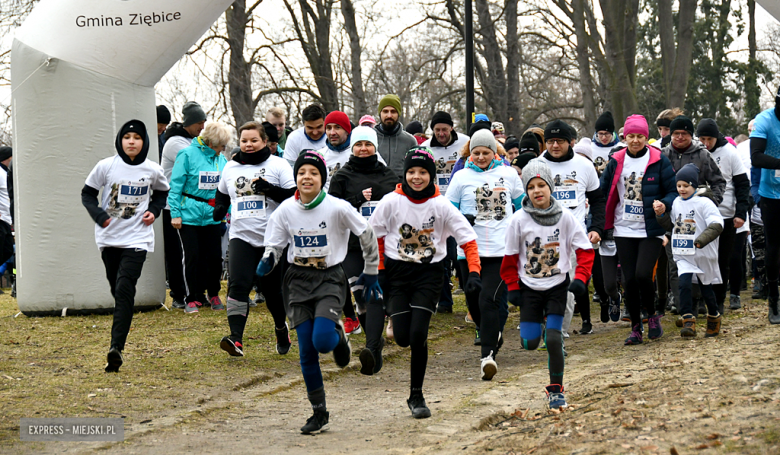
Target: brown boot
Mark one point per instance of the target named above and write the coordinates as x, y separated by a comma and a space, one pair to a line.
679, 321
713, 326
689, 326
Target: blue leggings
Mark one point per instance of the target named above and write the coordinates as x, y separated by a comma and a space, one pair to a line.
531, 335
315, 336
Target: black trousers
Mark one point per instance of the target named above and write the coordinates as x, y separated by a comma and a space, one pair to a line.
372, 312
725, 250
202, 254
6, 242
637, 261
173, 264
123, 268
485, 307
242, 264
770, 215
737, 265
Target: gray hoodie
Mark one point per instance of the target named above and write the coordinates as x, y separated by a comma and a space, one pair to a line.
709, 172
393, 147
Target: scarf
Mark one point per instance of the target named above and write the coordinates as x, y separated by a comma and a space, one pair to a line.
314, 203
497, 161
254, 157
612, 143
545, 217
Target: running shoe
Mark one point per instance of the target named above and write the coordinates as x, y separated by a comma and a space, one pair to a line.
192, 307
216, 304
488, 367
758, 290
734, 302
713, 326
342, 353
283, 342
542, 345
178, 304
645, 316
443, 308
555, 396
234, 348
352, 326
774, 311
259, 298
596, 298
477, 339
587, 328
468, 318
624, 316
614, 309
418, 406
316, 423
367, 362
114, 359
656, 331
636, 335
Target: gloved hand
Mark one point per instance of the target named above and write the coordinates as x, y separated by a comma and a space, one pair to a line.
260, 185
371, 288
515, 297
471, 218
577, 287
473, 283
265, 266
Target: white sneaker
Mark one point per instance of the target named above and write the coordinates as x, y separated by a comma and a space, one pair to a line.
489, 367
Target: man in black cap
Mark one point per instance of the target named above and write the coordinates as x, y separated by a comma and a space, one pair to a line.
603, 140
163, 119
579, 190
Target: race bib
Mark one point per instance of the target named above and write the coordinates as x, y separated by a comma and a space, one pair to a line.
566, 195
132, 192
633, 211
367, 209
682, 244
249, 207
443, 179
208, 180
311, 243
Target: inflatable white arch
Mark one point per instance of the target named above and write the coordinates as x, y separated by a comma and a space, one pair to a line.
80, 69
772, 7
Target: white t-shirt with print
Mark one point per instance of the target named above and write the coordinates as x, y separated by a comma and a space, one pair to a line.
629, 213
126, 193
545, 251
298, 141
689, 219
249, 212
600, 156
419, 232
488, 196
317, 237
336, 160
730, 165
446, 157
572, 179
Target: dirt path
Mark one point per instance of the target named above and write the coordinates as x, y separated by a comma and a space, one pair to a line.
703, 396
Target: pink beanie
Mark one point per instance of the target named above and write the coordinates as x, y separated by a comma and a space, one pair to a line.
636, 124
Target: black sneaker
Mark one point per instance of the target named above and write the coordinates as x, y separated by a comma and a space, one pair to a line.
178, 304
477, 339
234, 348
114, 359
587, 328
283, 342
371, 362
774, 311
614, 309
342, 353
604, 312
418, 407
316, 423
443, 308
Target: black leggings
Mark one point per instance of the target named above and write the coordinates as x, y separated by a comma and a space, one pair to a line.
609, 270
411, 329
598, 279
662, 280
123, 268
173, 264
242, 264
770, 215
371, 314
637, 261
485, 307
737, 265
202, 261
725, 250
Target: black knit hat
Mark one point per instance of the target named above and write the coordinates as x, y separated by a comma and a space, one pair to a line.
414, 127
163, 115
707, 127
5, 153
314, 158
681, 123
663, 121
441, 117
420, 156
192, 113
480, 125
558, 129
605, 122
511, 142
271, 132
529, 143
522, 159
689, 174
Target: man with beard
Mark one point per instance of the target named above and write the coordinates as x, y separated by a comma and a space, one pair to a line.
394, 142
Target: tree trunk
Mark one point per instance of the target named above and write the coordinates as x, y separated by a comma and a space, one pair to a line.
239, 73
620, 20
512, 121
583, 63
358, 96
752, 90
494, 82
676, 60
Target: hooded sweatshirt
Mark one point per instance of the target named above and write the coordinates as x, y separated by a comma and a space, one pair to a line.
131, 187
393, 145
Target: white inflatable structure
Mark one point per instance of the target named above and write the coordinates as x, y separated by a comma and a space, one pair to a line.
772, 7
80, 70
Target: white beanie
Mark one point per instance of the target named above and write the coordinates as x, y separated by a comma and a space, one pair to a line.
363, 133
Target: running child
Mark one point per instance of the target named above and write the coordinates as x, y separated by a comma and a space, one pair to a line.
317, 227
413, 224
537, 238
135, 191
695, 223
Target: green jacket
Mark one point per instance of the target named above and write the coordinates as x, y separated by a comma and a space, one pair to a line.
187, 171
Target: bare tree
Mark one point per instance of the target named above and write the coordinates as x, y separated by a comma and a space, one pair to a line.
356, 72
677, 58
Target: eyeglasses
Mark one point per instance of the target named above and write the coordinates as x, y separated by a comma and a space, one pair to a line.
604, 134
556, 141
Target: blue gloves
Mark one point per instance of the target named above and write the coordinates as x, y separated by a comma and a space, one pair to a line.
371, 288
265, 266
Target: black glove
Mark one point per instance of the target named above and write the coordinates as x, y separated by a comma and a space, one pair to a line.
515, 297
577, 287
473, 283
260, 186
471, 218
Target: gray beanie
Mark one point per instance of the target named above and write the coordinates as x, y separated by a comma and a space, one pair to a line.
537, 168
192, 113
483, 138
